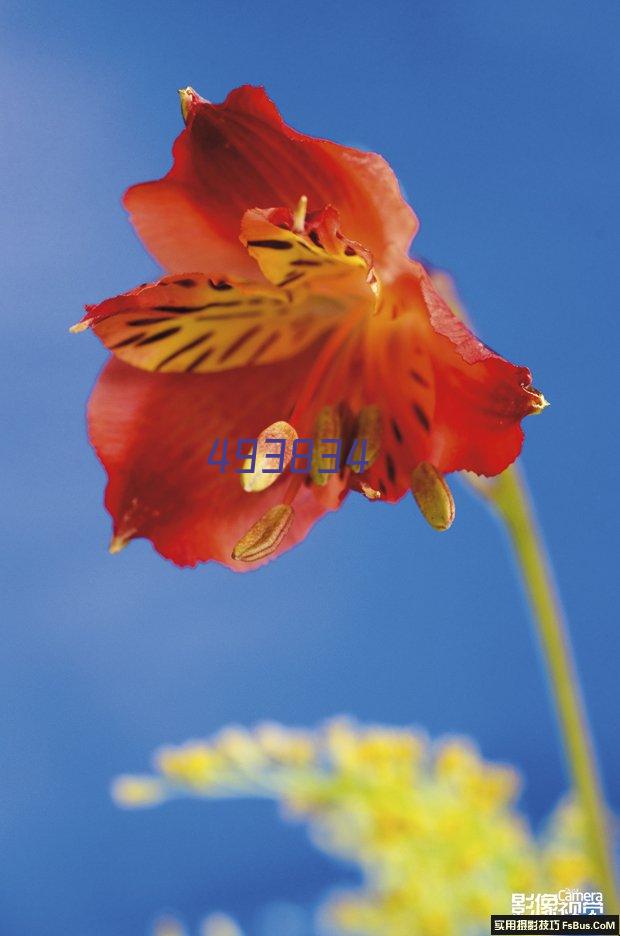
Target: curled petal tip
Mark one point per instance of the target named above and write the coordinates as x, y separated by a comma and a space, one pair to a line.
540, 403
265, 536
433, 496
80, 326
188, 97
118, 543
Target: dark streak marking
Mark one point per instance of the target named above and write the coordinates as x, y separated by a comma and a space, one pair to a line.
419, 378
382, 487
314, 237
201, 357
396, 430
241, 340
273, 337
183, 309
187, 347
158, 336
222, 285
391, 470
150, 321
271, 244
228, 318
349, 252
422, 417
127, 341
306, 263
290, 279
185, 283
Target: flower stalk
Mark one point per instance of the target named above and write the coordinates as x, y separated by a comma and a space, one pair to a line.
509, 495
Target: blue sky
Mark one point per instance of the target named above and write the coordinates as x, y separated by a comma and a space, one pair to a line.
501, 122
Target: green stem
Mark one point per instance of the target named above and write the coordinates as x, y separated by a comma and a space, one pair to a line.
510, 495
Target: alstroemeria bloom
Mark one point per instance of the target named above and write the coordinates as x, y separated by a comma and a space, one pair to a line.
291, 299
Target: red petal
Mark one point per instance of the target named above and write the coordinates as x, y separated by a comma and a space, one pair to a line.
480, 397
153, 434
239, 155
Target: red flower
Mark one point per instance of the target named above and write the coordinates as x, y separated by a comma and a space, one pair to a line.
292, 298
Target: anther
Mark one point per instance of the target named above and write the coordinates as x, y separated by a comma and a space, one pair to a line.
265, 536
369, 427
369, 492
258, 479
327, 427
432, 496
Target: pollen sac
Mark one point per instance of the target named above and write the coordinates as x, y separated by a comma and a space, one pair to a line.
432, 496
369, 492
273, 456
265, 536
369, 427
327, 427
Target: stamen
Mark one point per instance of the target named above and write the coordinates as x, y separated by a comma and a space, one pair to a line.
369, 427
369, 492
432, 496
299, 215
265, 536
327, 426
259, 480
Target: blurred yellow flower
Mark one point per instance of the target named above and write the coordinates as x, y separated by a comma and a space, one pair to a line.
432, 827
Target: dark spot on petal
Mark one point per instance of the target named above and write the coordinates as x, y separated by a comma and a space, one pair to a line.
421, 416
418, 378
150, 321
186, 347
201, 357
127, 341
238, 343
271, 244
158, 336
396, 430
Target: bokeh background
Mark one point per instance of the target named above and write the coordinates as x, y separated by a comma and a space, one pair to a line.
501, 122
